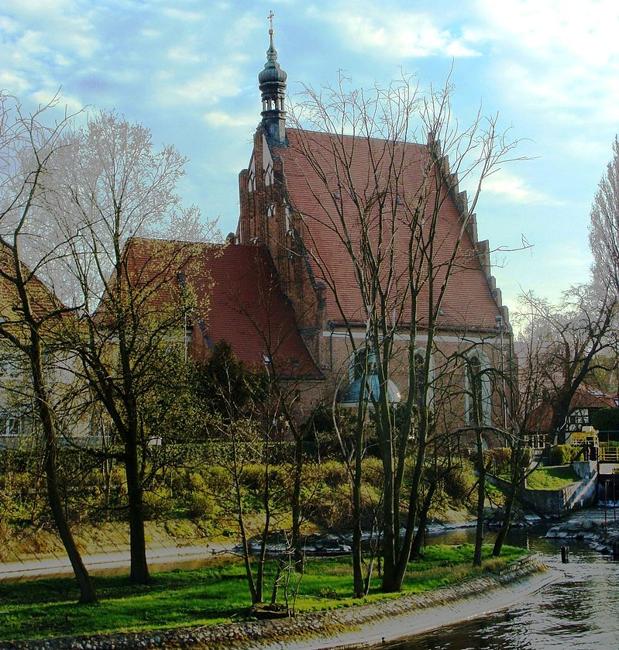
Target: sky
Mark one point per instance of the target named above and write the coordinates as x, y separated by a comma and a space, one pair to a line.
187, 69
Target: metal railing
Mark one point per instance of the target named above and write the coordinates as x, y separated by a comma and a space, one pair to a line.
609, 453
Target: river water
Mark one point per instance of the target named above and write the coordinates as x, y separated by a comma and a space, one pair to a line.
579, 611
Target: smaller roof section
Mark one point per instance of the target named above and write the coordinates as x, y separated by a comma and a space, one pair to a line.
238, 300
249, 310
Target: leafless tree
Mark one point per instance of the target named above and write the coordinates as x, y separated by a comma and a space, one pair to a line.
604, 229
390, 234
564, 345
31, 314
111, 189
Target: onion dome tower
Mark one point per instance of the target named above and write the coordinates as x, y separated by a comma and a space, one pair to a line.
272, 83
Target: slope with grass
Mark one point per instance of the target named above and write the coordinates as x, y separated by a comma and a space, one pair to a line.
213, 594
552, 478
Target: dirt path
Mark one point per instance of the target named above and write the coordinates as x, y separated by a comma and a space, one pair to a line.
111, 562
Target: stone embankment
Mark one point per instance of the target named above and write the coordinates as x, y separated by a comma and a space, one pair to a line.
383, 620
601, 538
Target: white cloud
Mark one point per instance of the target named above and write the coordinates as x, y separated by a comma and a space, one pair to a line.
391, 32
184, 54
221, 119
206, 88
184, 15
560, 58
515, 189
45, 97
13, 83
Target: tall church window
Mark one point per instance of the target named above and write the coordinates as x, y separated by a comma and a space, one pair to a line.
423, 382
478, 391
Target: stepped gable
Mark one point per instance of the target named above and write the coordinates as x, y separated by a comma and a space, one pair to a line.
472, 301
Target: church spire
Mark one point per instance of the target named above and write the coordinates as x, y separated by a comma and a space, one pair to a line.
272, 83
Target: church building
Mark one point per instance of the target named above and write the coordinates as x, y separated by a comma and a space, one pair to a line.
296, 198
286, 293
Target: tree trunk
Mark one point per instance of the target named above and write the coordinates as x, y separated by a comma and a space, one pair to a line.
357, 551
481, 499
517, 479
507, 520
87, 591
296, 505
422, 521
560, 411
139, 573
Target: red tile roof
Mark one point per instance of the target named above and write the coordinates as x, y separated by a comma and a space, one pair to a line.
249, 310
43, 301
585, 397
468, 302
246, 306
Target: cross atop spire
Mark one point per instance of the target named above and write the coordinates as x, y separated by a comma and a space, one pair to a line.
272, 80
271, 52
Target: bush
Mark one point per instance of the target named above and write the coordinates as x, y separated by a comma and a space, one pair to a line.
562, 454
460, 481
499, 459
372, 469
333, 473
605, 419
202, 506
158, 503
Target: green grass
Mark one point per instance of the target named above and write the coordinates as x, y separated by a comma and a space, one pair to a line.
213, 594
551, 478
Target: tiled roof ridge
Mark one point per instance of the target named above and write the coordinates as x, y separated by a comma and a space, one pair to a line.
350, 136
451, 183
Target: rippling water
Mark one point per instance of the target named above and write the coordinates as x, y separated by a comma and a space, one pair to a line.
580, 611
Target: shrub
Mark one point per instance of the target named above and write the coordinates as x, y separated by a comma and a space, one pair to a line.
333, 473
499, 459
157, 503
202, 506
562, 454
372, 469
605, 419
216, 479
460, 481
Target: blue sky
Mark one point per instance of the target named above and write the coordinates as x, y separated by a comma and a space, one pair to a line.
188, 69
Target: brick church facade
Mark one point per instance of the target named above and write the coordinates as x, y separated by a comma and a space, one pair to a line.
282, 290
286, 207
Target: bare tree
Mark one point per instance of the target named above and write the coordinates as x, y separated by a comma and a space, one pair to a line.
132, 294
390, 235
32, 315
565, 344
604, 229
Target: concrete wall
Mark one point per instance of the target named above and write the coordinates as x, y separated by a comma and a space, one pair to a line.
557, 502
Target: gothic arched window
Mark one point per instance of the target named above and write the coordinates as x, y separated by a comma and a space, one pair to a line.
478, 391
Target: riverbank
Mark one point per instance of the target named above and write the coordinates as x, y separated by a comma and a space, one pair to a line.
29, 553
215, 593
338, 614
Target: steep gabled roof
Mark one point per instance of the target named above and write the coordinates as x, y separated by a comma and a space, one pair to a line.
239, 300
249, 311
468, 303
43, 301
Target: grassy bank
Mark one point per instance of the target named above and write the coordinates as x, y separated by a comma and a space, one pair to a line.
552, 478
210, 595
